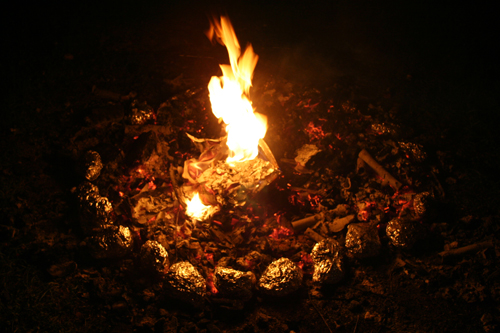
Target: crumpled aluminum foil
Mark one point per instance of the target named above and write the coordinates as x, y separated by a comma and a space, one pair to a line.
362, 240
95, 210
328, 262
402, 233
231, 283
384, 128
280, 278
141, 113
93, 165
153, 257
421, 203
414, 151
184, 282
112, 242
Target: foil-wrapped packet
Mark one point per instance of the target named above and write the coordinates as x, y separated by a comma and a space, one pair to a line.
402, 233
421, 203
184, 282
280, 278
234, 284
141, 113
362, 240
414, 151
95, 210
153, 258
328, 262
93, 165
385, 129
112, 242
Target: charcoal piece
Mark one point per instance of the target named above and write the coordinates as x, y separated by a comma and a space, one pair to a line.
95, 210
402, 233
421, 203
141, 148
184, 282
280, 278
328, 262
362, 240
234, 284
414, 151
93, 165
140, 113
154, 258
112, 242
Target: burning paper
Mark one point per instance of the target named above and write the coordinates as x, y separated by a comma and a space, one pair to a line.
240, 163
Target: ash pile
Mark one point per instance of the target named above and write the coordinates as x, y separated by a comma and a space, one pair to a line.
351, 186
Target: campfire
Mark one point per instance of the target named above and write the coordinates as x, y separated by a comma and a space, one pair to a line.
225, 221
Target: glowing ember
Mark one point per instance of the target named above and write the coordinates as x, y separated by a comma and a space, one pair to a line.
229, 96
197, 210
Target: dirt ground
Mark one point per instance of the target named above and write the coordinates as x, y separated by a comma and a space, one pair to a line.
433, 68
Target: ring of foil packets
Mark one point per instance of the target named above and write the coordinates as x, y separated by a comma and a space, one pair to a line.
184, 282
233, 284
112, 242
329, 266
92, 165
280, 278
402, 233
95, 210
153, 257
362, 240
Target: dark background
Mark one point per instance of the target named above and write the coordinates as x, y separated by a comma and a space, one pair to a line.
438, 62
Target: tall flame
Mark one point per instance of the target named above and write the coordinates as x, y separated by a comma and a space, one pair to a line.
229, 96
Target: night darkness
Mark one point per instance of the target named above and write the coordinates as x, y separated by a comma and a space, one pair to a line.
431, 70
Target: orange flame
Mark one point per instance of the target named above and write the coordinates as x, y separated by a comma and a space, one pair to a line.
197, 210
229, 96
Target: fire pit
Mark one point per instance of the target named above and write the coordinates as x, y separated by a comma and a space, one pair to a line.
231, 222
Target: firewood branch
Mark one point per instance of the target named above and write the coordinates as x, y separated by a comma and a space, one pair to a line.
467, 249
383, 173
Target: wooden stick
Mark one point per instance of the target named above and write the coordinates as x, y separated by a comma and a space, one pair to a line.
306, 222
383, 173
340, 210
467, 249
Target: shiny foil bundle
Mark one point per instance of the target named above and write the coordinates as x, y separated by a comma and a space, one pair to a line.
141, 113
234, 284
184, 282
153, 258
362, 240
421, 203
402, 233
112, 242
328, 262
95, 210
383, 128
414, 151
280, 278
93, 165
